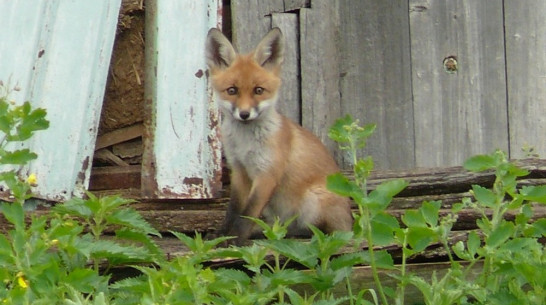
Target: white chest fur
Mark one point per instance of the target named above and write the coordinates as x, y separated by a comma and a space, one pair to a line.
247, 143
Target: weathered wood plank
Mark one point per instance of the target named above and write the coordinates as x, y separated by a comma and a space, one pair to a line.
119, 135
290, 5
525, 28
105, 155
321, 103
115, 177
289, 97
251, 20
42, 50
182, 156
457, 113
375, 77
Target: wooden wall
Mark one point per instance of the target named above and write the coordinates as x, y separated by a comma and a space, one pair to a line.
442, 79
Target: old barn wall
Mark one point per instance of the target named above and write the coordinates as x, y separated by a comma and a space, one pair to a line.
443, 80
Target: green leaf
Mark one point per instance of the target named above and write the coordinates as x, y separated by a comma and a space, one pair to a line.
458, 249
32, 121
107, 203
22, 156
414, 219
85, 280
338, 132
383, 227
132, 219
534, 193
73, 207
419, 238
113, 251
328, 245
363, 168
341, 185
350, 260
14, 213
381, 197
473, 243
484, 196
480, 163
293, 249
254, 256
287, 277
430, 210
383, 259
539, 227
231, 278
504, 231
142, 238
391, 188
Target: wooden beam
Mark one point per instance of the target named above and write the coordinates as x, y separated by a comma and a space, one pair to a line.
119, 136
115, 177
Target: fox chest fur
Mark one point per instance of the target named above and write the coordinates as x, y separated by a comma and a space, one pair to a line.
248, 145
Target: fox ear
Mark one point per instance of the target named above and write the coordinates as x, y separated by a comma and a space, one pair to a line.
270, 51
219, 51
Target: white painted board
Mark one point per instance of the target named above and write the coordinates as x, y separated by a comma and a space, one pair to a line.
182, 156
58, 53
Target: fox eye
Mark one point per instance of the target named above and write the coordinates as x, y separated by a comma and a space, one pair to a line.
232, 90
259, 90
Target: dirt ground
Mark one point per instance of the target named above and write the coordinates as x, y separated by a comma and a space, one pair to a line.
124, 96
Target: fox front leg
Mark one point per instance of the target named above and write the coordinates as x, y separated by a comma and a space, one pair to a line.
258, 197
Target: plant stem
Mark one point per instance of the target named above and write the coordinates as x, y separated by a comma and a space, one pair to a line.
403, 270
373, 263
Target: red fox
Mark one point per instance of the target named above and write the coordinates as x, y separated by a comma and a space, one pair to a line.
278, 168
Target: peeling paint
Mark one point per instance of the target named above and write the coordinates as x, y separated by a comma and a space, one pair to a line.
182, 155
58, 37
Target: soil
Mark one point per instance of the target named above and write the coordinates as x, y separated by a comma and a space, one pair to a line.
124, 96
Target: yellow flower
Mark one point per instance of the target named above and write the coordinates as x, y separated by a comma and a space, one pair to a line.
21, 281
32, 180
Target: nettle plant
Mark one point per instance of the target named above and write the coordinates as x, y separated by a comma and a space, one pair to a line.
510, 252
55, 258
17, 124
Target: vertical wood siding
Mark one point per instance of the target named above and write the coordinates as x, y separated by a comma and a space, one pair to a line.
58, 53
182, 155
525, 28
384, 62
462, 113
375, 80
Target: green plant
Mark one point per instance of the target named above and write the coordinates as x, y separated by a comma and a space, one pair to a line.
44, 259
17, 124
511, 252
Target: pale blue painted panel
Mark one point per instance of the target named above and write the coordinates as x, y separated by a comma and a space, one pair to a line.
58, 52
182, 156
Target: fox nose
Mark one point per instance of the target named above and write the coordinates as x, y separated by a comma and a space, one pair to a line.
244, 115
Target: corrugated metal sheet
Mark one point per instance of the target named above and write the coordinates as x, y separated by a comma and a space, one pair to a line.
58, 53
182, 156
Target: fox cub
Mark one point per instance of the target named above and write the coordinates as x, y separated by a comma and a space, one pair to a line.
278, 169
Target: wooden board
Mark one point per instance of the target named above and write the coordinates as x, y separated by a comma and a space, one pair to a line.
321, 101
251, 20
58, 53
182, 156
525, 28
290, 95
450, 185
462, 113
375, 77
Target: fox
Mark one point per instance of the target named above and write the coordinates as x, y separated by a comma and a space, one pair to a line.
278, 168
